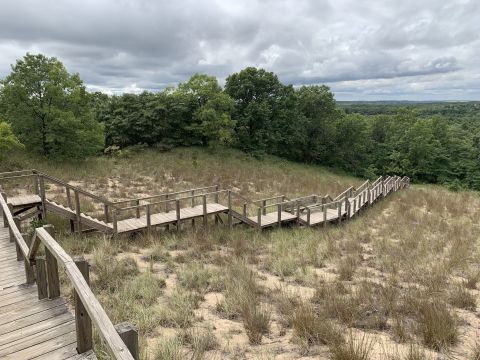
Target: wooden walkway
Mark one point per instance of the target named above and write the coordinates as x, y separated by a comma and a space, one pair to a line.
175, 208
31, 328
35, 321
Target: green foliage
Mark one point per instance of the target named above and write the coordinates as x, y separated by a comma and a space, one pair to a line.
49, 109
8, 141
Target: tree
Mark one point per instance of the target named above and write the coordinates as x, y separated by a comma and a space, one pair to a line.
8, 141
261, 99
49, 109
209, 116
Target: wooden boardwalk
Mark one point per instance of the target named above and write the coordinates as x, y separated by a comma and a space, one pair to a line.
31, 328
176, 208
36, 322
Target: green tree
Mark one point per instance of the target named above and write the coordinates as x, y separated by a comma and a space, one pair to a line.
209, 116
262, 104
8, 141
49, 109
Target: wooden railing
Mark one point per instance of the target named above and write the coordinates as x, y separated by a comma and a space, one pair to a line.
87, 308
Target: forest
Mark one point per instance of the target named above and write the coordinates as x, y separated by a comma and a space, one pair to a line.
46, 110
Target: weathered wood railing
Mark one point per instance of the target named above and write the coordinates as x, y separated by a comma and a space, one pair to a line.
44, 270
171, 205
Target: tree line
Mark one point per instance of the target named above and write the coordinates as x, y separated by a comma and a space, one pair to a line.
50, 112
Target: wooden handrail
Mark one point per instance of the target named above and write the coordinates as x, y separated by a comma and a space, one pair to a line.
163, 194
13, 228
139, 206
94, 309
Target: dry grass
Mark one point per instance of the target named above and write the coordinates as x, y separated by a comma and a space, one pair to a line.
405, 271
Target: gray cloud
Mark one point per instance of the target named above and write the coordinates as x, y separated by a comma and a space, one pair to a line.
380, 49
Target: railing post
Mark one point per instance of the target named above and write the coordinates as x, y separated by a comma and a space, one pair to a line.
192, 194
279, 214
41, 272
177, 210
339, 208
77, 211
308, 216
148, 215
4, 195
325, 209
35, 184
259, 217
70, 205
83, 323
216, 194
137, 210
264, 204
12, 238
44, 198
53, 279
129, 335
230, 219
204, 203
114, 219
105, 213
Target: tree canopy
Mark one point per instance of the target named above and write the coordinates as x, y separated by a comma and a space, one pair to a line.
49, 109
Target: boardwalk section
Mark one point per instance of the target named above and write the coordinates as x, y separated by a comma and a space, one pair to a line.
35, 321
178, 208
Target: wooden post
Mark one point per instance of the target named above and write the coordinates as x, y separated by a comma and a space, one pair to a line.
177, 210
339, 207
41, 272
354, 206
5, 221
35, 184
230, 219
167, 204
264, 206
105, 213
44, 198
244, 209
192, 193
349, 209
70, 205
259, 217
83, 323
279, 214
325, 216
308, 216
78, 212
114, 219
216, 194
148, 215
129, 335
137, 210
53, 279
204, 203
19, 227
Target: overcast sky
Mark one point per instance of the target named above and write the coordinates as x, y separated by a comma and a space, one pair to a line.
364, 50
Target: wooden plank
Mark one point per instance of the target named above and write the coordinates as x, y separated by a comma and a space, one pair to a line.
30, 309
35, 328
47, 347
36, 339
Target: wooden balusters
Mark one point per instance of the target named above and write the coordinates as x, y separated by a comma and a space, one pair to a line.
259, 217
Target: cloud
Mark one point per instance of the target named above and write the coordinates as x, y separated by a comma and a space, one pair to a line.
363, 50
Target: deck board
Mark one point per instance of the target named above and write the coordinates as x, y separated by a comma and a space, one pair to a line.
31, 328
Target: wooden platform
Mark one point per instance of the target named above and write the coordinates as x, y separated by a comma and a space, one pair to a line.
271, 219
24, 201
31, 328
159, 219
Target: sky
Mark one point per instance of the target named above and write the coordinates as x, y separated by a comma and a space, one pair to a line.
364, 50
